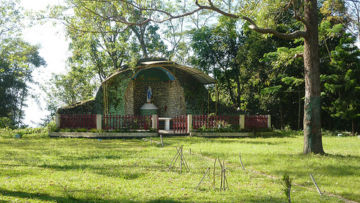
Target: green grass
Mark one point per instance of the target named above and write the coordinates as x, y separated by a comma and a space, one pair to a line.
39, 169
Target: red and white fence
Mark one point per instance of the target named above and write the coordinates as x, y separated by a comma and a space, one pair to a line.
180, 124
87, 121
256, 121
116, 122
205, 121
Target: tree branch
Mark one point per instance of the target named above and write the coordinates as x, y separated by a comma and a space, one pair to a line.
288, 36
253, 26
210, 6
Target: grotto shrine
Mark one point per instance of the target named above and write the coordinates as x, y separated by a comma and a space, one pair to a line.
157, 87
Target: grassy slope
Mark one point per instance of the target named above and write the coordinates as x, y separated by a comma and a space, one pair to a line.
80, 170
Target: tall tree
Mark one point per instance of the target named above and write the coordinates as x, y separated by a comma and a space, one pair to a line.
306, 12
343, 84
18, 59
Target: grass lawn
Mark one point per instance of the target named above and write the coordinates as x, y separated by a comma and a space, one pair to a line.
41, 169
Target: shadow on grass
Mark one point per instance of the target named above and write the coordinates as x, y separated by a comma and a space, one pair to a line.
10, 172
38, 196
47, 197
175, 141
344, 165
277, 133
352, 196
339, 156
109, 170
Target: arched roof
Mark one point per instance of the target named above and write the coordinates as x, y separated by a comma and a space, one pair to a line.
196, 73
153, 73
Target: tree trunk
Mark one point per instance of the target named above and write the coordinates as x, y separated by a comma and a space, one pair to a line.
312, 120
281, 117
352, 127
299, 110
140, 36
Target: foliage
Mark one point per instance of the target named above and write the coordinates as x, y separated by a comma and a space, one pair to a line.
343, 84
230, 54
286, 181
51, 126
24, 132
65, 89
18, 59
11, 15
6, 122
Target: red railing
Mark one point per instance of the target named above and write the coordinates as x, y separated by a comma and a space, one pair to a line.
256, 121
115, 122
87, 121
205, 121
180, 124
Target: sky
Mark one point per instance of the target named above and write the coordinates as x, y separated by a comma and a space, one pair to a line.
54, 50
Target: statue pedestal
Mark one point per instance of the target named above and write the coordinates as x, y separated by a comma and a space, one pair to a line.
148, 109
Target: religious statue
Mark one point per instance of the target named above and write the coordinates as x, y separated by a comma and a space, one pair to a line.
149, 95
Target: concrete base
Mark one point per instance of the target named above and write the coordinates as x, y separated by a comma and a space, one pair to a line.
171, 132
103, 135
230, 134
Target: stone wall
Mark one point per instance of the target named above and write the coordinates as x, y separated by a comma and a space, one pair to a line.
85, 107
195, 93
167, 96
99, 102
116, 88
129, 99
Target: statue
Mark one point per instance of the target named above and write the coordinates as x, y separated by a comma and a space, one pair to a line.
149, 95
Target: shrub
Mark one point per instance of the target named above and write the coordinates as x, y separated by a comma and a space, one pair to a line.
51, 126
81, 130
66, 130
94, 130
6, 122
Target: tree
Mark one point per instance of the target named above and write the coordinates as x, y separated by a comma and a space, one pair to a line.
65, 89
353, 11
343, 85
305, 12
10, 19
215, 51
229, 52
18, 59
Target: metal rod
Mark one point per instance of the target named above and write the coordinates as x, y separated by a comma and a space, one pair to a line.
317, 188
161, 140
214, 173
242, 165
181, 158
203, 177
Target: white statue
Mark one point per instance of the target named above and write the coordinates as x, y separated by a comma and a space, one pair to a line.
149, 95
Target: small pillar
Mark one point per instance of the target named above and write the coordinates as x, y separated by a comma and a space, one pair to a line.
98, 122
242, 121
189, 123
269, 121
154, 121
57, 120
